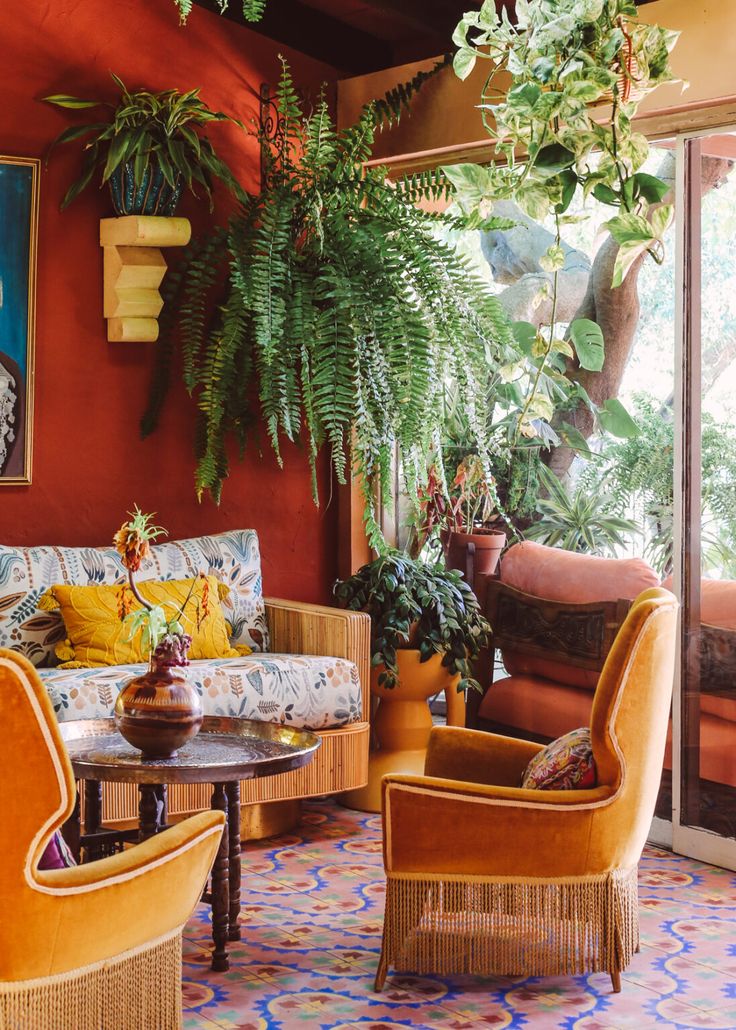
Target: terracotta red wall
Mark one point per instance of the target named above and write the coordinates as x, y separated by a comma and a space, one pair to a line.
89, 464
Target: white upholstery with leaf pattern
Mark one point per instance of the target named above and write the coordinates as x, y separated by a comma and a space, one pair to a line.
303, 691
27, 572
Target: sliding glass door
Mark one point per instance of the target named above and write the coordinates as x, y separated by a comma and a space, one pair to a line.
704, 713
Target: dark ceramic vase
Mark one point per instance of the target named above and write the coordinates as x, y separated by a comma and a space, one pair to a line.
154, 196
159, 711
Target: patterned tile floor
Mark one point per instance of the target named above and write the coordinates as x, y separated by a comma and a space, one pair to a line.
312, 906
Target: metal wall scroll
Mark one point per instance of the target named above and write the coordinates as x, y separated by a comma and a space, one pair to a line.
272, 133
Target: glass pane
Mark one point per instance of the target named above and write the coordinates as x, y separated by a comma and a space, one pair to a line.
616, 496
709, 675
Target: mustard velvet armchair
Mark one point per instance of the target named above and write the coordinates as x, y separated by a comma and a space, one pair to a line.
96, 947
484, 877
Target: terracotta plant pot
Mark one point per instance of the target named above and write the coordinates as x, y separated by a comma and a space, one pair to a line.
402, 723
158, 712
488, 546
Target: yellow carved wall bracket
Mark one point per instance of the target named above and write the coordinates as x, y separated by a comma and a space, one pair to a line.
133, 270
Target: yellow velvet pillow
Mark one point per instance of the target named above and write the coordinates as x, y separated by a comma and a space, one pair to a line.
98, 637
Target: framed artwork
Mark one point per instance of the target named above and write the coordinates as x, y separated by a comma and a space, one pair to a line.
19, 186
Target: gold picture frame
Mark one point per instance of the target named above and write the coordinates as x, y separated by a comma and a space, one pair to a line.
19, 205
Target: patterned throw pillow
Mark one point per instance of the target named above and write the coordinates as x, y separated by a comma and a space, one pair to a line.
56, 854
98, 637
565, 764
27, 572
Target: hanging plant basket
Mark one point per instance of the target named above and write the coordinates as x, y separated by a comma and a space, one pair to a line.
630, 81
154, 195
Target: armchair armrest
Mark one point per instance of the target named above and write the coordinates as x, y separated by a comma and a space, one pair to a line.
299, 628
476, 757
490, 830
137, 896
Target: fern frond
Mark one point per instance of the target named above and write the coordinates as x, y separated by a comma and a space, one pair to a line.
388, 110
343, 309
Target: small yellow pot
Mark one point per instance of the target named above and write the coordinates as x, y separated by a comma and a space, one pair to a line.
402, 723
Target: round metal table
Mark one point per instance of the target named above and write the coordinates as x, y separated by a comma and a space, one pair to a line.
224, 752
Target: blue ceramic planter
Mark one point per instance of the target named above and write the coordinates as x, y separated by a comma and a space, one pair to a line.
154, 196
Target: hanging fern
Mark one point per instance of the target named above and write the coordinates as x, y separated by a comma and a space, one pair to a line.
252, 9
388, 109
343, 304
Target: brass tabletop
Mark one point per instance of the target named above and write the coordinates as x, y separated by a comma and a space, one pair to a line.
223, 751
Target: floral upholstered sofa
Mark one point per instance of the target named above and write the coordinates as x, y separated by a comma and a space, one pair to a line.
309, 665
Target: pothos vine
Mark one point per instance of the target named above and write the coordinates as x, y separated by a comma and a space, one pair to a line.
564, 86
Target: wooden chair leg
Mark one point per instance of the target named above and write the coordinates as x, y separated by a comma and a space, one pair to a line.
381, 972
616, 981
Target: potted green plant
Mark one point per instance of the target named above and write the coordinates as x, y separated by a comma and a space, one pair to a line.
584, 521
467, 515
427, 628
147, 149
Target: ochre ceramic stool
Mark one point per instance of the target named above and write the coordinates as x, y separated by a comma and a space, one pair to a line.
403, 723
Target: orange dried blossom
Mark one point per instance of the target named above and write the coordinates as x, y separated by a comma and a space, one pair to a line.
132, 540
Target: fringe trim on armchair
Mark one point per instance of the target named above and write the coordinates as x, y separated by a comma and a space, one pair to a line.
138, 990
530, 927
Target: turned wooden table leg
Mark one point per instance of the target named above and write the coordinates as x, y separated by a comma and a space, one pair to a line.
92, 806
71, 829
221, 887
92, 819
148, 807
163, 800
233, 826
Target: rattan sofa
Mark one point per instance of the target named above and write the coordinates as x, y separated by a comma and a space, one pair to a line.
327, 694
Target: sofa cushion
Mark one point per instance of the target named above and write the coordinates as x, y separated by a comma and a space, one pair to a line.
717, 601
536, 707
304, 691
559, 575
565, 764
95, 618
27, 572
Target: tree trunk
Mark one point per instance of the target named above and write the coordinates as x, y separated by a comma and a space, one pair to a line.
617, 313
514, 255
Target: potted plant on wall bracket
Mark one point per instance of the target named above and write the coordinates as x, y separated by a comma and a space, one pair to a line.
427, 628
335, 294
147, 150
559, 101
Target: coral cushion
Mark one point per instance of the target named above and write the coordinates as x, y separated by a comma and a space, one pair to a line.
717, 601
558, 575
98, 637
530, 705
524, 665
565, 764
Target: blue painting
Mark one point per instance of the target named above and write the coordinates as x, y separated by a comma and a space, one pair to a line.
18, 230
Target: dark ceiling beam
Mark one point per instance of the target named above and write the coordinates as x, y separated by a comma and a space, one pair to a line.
313, 33
353, 50
429, 17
